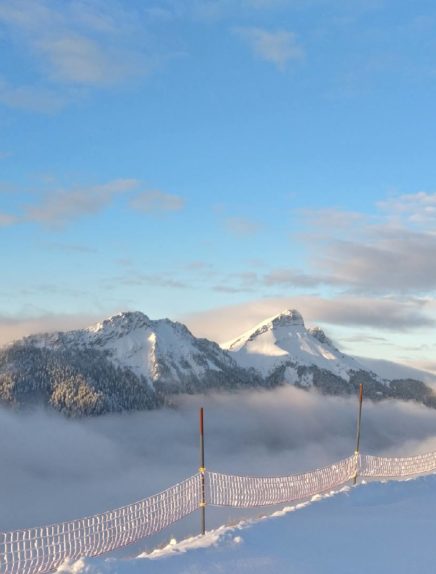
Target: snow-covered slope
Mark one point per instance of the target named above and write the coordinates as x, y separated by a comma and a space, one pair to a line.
154, 349
391, 370
281, 349
284, 340
378, 528
130, 362
127, 362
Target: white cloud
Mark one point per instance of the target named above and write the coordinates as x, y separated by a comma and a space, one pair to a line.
418, 208
278, 47
224, 323
6, 219
385, 261
74, 45
332, 218
32, 98
14, 328
292, 278
389, 251
117, 459
78, 60
61, 207
242, 226
156, 201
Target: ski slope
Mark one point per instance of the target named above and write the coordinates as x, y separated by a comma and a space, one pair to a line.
377, 527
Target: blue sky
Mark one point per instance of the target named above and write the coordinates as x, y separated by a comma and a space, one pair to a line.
218, 161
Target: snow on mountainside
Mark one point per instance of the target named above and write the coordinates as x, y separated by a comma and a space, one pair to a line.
134, 341
127, 362
389, 370
281, 349
283, 339
130, 362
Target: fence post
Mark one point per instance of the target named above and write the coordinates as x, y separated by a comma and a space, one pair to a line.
202, 470
359, 421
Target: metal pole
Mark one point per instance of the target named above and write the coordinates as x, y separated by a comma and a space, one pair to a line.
202, 470
359, 421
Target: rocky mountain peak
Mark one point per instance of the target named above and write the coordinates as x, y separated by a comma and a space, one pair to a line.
290, 317
121, 324
319, 334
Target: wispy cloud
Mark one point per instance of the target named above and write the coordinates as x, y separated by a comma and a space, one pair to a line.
242, 226
57, 208
72, 248
388, 261
64, 206
6, 219
135, 279
13, 328
277, 47
225, 323
293, 278
389, 251
417, 208
332, 217
73, 46
156, 201
32, 98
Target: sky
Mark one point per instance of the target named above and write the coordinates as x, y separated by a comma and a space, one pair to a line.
218, 161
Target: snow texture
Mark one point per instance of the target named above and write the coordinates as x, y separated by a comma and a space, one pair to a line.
284, 338
380, 528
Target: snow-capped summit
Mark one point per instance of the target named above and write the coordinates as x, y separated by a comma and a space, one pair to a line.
130, 361
121, 323
283, 340
156, 349
290, 317
161, 354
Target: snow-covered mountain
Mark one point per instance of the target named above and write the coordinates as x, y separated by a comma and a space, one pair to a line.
130, 361
281, 349
162, 351
283, 341
126, 362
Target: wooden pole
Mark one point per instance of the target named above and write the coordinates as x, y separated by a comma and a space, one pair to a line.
202, 470
359, 422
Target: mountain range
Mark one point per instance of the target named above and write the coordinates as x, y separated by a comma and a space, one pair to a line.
130, 362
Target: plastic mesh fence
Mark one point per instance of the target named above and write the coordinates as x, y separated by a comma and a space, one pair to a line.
383, 467
39, 550
43, 549
250, 491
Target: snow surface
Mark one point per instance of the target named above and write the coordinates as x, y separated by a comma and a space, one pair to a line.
377, 527
390, 370
284, 338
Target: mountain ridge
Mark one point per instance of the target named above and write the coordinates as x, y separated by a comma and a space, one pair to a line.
129, 361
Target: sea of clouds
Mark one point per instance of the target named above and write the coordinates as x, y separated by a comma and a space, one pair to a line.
53, 468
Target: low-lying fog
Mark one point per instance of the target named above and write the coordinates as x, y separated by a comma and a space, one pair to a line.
53, 469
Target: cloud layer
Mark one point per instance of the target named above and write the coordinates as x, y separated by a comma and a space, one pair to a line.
225, 323
59, 469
